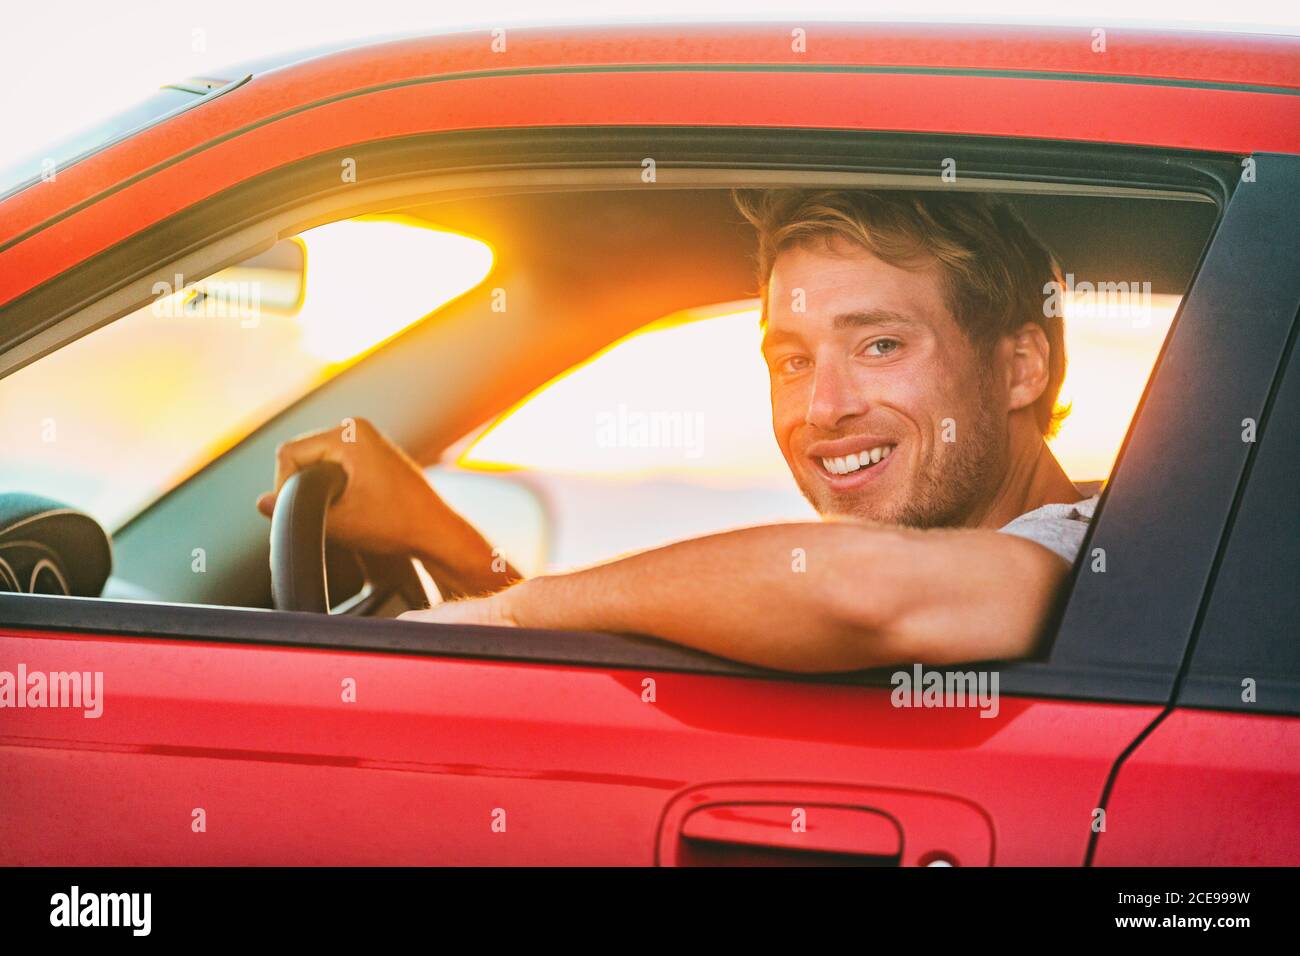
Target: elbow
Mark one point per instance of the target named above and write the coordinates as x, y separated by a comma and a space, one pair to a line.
861, 609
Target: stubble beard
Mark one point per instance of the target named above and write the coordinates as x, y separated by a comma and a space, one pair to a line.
951, 485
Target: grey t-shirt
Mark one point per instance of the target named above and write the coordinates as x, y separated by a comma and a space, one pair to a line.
1059, 528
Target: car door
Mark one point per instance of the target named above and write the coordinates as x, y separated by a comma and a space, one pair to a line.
236, 736
212, 751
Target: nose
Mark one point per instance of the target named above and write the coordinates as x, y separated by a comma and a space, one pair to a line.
835, 397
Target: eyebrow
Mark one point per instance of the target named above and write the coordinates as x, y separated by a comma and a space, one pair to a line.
846, 320
856, 320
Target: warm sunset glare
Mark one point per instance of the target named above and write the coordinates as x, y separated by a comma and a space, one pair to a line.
691, 398
694, 391
369, 280
177, 389
1111, 352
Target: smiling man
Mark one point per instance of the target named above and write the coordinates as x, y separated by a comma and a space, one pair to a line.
914, 377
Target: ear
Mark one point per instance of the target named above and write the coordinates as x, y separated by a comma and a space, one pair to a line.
1027, 369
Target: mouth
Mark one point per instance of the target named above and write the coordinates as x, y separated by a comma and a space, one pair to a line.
847, 471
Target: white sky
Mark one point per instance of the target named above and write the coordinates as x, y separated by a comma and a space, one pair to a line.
66, 63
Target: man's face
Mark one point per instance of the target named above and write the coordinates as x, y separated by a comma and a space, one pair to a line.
882, 407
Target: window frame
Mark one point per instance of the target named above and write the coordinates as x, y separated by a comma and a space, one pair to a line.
1247, 269
1217, 686
219, 229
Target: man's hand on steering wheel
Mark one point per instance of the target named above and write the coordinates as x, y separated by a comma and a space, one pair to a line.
388, 508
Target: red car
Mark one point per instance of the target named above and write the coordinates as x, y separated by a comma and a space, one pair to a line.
578, 181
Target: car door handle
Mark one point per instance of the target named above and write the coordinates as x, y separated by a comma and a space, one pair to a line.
798, 823
758, 834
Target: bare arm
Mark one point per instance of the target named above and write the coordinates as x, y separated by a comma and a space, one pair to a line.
461, 561
389, 508
867, 596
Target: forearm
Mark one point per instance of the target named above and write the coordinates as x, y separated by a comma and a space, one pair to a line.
804, 597
781, 596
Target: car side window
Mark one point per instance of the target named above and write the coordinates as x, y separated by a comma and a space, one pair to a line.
667, 433
1247, 655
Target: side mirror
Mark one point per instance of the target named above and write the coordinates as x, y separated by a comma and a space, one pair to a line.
509, 512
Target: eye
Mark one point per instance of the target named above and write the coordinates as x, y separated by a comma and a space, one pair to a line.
882, 347
793, 363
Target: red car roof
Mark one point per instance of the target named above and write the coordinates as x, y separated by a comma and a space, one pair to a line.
1250, 80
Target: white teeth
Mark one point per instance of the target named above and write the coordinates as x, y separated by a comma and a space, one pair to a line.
852, 463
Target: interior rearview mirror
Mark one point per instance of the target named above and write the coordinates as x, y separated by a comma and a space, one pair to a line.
273, 282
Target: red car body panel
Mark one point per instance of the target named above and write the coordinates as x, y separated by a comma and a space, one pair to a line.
585, 770
1208, 789
310, 108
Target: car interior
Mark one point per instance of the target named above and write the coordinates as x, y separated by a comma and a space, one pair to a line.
574, 274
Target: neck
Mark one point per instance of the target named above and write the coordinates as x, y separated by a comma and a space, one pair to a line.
1032, 479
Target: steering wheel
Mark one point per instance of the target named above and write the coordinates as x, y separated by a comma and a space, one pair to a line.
47, 547
299, 579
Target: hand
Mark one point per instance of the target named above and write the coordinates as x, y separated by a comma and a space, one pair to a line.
387, 507
493, 610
